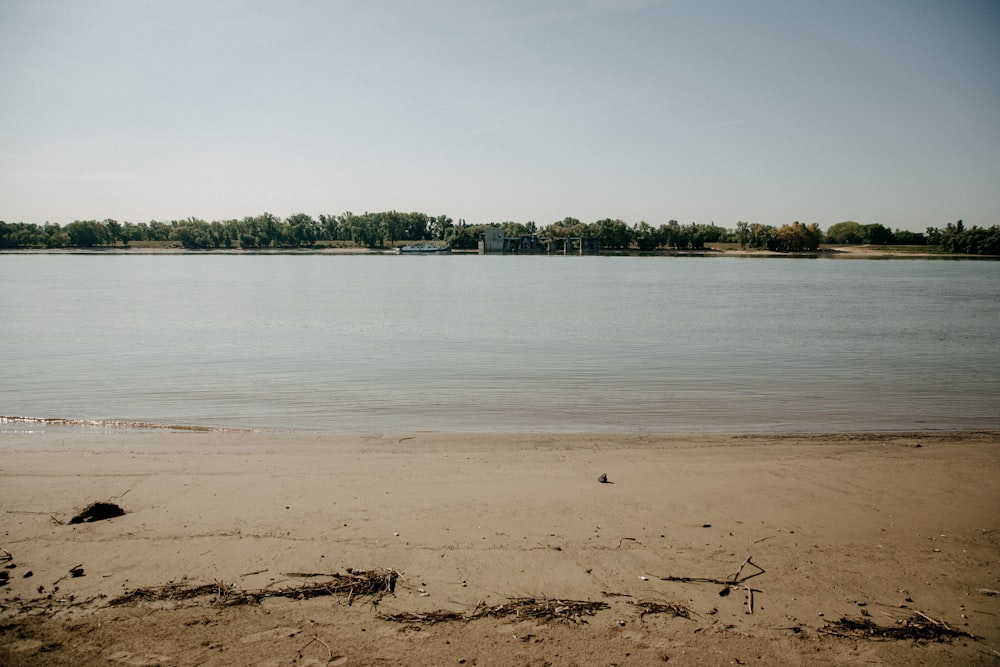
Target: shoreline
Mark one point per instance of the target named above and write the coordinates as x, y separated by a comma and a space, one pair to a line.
23, 425
874, 526
837, 252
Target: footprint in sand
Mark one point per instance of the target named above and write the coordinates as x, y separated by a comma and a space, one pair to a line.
140, 660
25, 645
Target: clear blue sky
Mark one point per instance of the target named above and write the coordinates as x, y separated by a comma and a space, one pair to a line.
703, 111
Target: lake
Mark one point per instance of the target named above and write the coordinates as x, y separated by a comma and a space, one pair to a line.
338, 343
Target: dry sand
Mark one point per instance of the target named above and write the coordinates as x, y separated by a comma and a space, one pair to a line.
868, 527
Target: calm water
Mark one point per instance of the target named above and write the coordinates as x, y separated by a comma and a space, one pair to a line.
469, 343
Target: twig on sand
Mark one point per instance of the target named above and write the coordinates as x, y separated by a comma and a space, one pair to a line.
250, 574
329, 651
736, 577
733, 581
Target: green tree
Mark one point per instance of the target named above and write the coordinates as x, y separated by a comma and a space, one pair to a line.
712, 233
302, 230
360, 230
511, 228
86, 233
762, 237
439, 225
973, 241
876, 234
55, 237
742, 234
565, 227
906, 237
463, 236
158, 231
330, 228
845, 233
671, 235
612, 233
113, 230
646, 238
193, 233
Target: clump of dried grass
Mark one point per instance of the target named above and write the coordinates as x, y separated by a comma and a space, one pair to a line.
356, 584
653, 607
543, 609
918, 627
546, 609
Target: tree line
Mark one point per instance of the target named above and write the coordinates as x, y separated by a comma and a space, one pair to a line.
388, 229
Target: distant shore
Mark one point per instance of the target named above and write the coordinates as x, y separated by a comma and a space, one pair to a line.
838, 252
806, 534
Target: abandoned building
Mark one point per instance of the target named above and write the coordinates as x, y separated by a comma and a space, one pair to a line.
495, 241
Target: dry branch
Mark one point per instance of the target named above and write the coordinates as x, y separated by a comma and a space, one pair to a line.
428, 618
737, 579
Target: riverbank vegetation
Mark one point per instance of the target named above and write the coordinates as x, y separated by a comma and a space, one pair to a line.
390, 229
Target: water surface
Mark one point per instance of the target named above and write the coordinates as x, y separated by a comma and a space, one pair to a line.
470, 343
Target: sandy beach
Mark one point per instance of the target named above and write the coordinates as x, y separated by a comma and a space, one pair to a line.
501, 549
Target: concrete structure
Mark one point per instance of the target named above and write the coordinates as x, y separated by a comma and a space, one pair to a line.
494, 241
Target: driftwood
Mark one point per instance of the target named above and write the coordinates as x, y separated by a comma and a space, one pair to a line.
428, 618
653, 607
369, 584
918, 627
546, 609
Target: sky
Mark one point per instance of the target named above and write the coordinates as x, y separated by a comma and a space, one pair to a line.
707, 111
